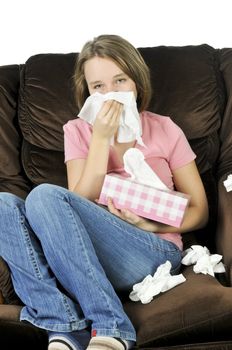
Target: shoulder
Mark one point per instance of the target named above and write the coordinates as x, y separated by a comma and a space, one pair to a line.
77, 134
155, 119
77, 126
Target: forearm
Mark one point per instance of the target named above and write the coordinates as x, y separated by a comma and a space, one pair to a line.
194, 219
92, 177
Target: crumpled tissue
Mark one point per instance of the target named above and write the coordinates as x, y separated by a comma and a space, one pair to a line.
205, 262
161, 281
130, 127
228, 183
140, 171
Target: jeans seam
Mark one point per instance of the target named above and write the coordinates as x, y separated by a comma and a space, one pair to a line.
29, 248
67, 200
34, 262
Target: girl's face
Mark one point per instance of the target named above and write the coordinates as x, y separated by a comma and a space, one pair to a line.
103, 75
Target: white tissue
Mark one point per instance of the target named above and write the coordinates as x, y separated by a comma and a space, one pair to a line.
205, 262
130, 127
193, 254
228, 183
140, 171
161, 281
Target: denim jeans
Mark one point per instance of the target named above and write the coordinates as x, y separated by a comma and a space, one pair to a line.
69, 257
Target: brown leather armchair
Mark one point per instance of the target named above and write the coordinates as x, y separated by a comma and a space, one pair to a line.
192, 85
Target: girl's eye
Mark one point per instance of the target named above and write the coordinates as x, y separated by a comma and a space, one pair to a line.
119, 81
98, 86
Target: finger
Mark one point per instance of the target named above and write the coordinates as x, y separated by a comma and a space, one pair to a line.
112, 208
116, 115
114, 111
105, 109
130, 217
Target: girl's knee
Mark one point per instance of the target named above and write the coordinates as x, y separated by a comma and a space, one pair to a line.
40, 192
42, 196
10, 201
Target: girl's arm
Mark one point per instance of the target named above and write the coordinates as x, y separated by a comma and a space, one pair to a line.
186, 180
86, 176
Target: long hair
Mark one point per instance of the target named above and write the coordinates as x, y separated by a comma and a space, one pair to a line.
125, 56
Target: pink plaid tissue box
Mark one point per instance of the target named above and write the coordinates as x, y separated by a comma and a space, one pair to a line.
167, 207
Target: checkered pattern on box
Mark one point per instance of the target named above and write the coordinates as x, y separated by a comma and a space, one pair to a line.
146, 201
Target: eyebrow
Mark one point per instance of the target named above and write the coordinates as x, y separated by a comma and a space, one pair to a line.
95, 82
114, 77
119, 75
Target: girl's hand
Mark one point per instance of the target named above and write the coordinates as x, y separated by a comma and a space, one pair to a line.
107, 121
131, 218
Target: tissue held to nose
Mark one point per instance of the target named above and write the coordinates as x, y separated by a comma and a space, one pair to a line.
130, 127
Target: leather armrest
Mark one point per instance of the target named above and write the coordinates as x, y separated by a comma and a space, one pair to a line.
224, 227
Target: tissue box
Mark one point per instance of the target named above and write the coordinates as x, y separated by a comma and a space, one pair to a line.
167, 207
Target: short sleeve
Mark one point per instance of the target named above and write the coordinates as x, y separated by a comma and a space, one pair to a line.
77, 134
180, 151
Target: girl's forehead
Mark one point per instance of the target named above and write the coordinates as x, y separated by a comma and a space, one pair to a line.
99, 66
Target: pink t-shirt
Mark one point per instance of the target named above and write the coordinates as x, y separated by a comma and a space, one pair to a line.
167, 149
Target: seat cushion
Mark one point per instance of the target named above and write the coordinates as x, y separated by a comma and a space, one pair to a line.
199, 310
19, 335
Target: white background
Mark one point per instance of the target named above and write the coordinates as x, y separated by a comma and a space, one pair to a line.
28, 27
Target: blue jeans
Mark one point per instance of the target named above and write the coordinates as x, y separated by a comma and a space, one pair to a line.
69, 257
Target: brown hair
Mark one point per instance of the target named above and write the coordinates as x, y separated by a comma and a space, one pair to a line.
125, 55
